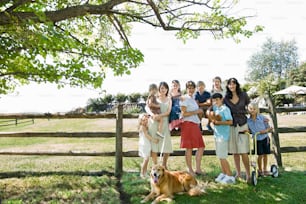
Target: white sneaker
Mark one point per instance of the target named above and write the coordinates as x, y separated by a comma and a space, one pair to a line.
220, 177
228, 180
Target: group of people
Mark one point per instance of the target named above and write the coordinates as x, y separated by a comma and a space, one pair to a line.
226, 111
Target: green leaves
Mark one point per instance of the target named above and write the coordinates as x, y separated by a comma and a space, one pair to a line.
70, 42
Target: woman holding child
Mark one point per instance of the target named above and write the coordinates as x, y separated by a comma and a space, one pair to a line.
164, 146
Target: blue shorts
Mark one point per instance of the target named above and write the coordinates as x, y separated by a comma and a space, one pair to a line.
263, 146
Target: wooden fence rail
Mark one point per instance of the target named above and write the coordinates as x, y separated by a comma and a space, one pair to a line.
128, 134
119, 134
16, 121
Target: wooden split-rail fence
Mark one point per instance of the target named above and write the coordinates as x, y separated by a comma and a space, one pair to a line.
119, 134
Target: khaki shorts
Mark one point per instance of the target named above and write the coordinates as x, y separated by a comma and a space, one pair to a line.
221, 148
238, 143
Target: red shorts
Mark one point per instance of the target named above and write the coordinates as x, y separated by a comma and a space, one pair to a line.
191, 136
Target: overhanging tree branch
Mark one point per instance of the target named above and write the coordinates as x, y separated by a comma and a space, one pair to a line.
78, 37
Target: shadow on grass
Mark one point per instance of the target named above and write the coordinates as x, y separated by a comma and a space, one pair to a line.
60, 187
22, 174
289, 187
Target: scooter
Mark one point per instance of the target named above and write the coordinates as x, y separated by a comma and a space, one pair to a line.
253, 161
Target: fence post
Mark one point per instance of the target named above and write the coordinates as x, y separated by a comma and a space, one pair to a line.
119, 122
16, 121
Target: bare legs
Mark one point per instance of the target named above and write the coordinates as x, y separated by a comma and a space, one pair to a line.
165, 158
246, 164
262, 163
188, 158
144, 167
225, 167
198, 159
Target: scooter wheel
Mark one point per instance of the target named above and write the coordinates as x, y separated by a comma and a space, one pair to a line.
254, 178
274, 171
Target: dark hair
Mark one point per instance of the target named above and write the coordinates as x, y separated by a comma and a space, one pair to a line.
229, 94
217, 95
163, 83
190, 83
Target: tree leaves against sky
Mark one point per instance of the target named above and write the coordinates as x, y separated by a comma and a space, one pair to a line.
70, 42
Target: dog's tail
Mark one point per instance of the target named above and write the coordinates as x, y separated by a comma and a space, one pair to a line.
196, 190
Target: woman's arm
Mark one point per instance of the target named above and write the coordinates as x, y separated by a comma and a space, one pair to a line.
168, 110
186, 113
148, 110
149, 137
207, 103
225, 122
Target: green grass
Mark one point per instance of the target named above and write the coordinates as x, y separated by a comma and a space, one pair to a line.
63, 179
60, 189
288, 188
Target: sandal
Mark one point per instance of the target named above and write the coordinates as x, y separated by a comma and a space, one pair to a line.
260, 173
200, 173
267, 173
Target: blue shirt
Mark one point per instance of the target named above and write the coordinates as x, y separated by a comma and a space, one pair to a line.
257, 125
201, 98
222, 131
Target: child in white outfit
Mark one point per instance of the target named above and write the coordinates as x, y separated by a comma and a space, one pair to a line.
144, 143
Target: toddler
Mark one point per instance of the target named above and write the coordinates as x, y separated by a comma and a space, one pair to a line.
144, 145
154, 106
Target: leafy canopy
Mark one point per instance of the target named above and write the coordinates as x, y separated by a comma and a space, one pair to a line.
75, 42
274, 58
271, 68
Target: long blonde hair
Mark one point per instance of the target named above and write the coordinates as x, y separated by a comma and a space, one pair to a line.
140, 120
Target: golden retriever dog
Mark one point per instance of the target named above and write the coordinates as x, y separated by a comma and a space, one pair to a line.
165, 183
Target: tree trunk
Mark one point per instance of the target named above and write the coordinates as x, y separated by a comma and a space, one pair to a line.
275, 134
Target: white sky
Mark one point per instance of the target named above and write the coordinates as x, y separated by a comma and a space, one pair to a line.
167, 58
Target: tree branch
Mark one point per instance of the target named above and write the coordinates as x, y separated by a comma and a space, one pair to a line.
17, 4
62, 14
119, 28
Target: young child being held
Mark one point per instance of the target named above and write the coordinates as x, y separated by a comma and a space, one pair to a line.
144, 144
155, 107
222, 119
258, 123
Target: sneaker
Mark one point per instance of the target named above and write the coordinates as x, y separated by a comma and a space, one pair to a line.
159, 134
220, 177
228, 180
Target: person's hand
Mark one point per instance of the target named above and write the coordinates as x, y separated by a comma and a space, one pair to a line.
218, 117
155, 140
156, 117
215, 122
200, 111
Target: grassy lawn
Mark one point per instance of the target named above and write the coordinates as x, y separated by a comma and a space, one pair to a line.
61, 179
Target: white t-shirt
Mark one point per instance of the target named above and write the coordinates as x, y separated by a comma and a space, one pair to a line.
191, 105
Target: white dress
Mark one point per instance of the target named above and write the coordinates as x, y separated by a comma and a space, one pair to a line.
144, 145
